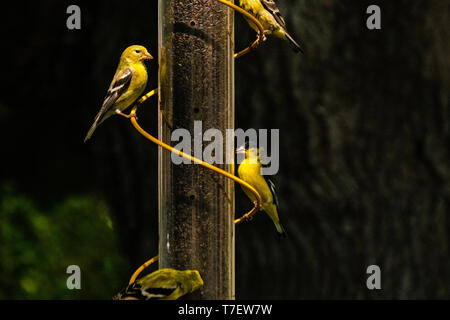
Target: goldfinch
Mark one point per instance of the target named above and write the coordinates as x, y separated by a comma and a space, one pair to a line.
163, 284
267, 12
126, 87
250, 171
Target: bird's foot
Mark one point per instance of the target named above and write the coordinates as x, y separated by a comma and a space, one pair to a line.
257, 205
128, 116
261, 38
249, 215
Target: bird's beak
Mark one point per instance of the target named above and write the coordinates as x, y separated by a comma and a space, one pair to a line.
148, 56
240, 150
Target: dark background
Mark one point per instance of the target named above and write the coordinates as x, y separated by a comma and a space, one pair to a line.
364, 178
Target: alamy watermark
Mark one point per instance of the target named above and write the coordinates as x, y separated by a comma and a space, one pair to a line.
74, 280
374, 280
73, 21
373, 22
221, 149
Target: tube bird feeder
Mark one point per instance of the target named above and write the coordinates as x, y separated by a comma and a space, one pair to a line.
196, 83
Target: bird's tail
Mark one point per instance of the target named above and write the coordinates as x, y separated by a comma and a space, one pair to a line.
295, 46
280, 230
91, 131
272, 212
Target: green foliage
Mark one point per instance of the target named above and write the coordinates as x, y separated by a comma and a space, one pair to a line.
38, 245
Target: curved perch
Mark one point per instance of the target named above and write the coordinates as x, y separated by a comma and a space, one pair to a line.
133, 117
247, 216
141, 268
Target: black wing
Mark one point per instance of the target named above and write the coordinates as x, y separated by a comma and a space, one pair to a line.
118, 86
272, 7
273, 190
157, 293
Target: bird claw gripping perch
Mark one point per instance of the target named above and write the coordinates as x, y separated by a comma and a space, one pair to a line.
260, 38
258, 205
128, 116
249, 215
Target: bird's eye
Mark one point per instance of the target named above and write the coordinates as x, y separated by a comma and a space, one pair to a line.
137, 51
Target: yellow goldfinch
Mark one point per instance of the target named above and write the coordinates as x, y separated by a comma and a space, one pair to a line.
126, 87
266, 11
163, 284
250, 171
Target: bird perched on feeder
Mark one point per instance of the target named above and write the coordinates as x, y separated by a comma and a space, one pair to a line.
250, 171
126, 87
163, 284
268, 14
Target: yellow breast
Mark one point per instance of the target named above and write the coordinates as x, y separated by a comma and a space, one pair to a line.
251, 173
136, 88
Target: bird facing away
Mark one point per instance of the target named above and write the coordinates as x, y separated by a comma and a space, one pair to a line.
163, 284
126, 87
268, 14
250, 171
